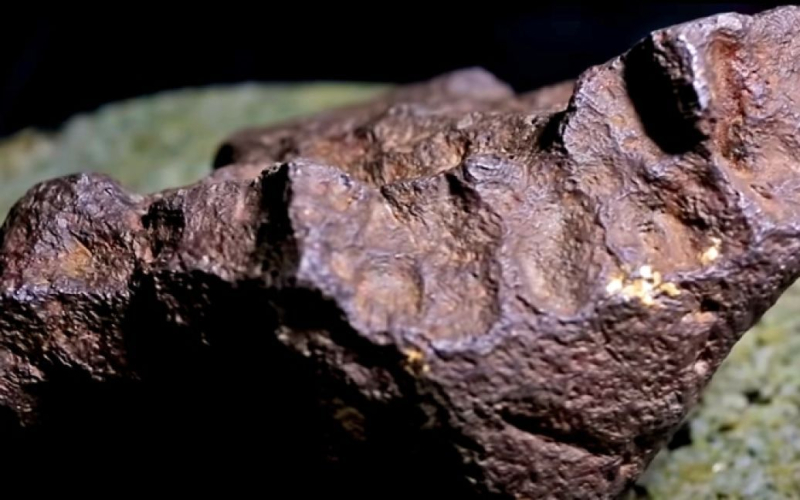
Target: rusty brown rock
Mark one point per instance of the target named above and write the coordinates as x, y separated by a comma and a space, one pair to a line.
451, 291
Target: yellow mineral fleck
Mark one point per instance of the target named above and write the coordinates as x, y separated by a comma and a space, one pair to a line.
415, 361
414, 356
711, 253
614, 286
670, 289
645, 286
648, 300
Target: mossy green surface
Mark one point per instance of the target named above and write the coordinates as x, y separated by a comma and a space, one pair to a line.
745, 434
165, 140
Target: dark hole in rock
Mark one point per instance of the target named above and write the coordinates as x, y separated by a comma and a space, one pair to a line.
683, 437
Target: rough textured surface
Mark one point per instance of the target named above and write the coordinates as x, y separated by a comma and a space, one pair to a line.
743, 441
487, 291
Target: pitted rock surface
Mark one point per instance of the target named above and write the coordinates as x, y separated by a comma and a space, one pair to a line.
451, 290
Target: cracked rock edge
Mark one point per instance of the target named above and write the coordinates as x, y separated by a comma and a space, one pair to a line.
507, 295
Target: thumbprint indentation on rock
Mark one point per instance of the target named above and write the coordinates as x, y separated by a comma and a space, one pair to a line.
660, 82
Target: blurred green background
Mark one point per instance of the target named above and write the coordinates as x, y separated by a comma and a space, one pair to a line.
743, 441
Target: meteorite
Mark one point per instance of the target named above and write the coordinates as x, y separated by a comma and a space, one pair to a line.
451, 291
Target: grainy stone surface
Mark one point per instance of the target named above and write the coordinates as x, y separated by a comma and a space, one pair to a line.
454, 289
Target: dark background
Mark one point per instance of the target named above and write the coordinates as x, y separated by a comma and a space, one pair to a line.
54, 66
